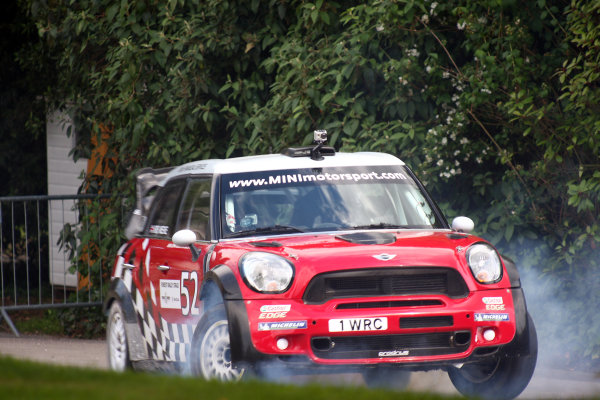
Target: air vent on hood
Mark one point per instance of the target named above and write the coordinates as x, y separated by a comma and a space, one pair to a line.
266, 244
368, 237
456, 236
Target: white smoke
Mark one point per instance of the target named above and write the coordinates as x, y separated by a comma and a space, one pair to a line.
565, 312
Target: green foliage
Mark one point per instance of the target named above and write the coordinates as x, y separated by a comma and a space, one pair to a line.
86, 322
22, 109
44, 322
494, 103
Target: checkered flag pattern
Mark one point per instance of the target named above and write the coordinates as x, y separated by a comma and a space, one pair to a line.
165, 341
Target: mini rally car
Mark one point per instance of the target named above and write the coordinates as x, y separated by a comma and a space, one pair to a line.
313, 260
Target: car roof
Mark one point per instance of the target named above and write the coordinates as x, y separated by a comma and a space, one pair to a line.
271, 162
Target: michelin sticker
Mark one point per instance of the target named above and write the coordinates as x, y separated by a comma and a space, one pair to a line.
479, 317
284, 325
170, 293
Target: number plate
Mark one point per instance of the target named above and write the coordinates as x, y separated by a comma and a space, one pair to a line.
358, 324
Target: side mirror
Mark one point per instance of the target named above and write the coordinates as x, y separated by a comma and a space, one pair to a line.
187, 238
184, 237
463, 224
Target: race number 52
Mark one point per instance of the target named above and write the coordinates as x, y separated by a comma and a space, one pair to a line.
190, 300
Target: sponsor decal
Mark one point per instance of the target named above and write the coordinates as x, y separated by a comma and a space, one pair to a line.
276, 308
283, 325
384, 257
343, 175
493, 300
480, 317
159, 229
274, 311
170, 293
272, 315
393, 353
494, 303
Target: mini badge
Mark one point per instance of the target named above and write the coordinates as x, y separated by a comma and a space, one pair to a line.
384, 256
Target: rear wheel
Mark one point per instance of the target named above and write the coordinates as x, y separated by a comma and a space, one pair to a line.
502, 377
116, 339
211, 350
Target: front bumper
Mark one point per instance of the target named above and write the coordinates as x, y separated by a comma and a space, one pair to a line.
418, 330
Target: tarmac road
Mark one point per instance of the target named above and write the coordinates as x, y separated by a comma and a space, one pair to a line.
546, 383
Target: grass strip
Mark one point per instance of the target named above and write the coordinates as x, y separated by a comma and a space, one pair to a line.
28, 380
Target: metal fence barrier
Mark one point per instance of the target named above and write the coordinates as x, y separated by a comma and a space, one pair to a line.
35, 270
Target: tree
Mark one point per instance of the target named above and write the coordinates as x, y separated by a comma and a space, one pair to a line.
22, 106
492, 102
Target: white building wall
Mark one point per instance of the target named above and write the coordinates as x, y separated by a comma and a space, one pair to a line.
63, 179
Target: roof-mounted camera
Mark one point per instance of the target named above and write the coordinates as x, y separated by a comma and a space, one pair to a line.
316, 153
320, 136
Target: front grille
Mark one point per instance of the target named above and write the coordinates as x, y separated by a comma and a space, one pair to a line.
377, 346
375, 282
426, 322
388, 304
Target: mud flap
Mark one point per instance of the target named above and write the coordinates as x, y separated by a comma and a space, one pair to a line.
135, 340
520, 345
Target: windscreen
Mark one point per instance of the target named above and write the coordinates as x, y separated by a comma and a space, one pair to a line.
323, 199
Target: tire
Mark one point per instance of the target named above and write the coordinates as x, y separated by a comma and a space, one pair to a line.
116, 339
211, 352
386, 378
503, 377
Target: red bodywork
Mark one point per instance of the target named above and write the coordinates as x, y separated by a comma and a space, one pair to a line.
302, 321
317, 254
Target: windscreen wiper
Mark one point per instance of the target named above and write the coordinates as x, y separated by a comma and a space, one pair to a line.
381, 225
266, 229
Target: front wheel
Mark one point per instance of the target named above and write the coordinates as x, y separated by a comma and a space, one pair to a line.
211, 350
503, 377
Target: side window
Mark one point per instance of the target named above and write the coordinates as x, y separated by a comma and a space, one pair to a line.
164, 210
195, 209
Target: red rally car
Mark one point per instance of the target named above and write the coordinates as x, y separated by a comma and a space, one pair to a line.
313, 260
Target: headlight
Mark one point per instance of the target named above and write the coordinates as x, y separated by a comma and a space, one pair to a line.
485, 263
266, 272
